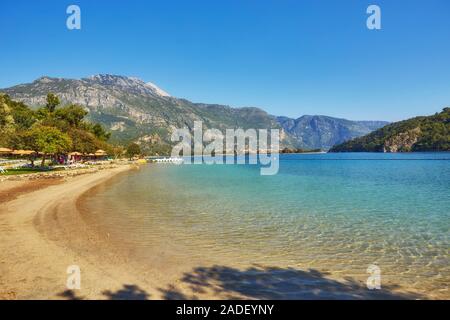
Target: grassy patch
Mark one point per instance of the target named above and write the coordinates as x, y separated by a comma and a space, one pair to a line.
13, 172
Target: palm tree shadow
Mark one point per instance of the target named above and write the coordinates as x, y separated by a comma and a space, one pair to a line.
172, 293
282, 283
259, 282
127, 292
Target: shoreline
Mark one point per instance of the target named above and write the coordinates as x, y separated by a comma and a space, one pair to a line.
43, 232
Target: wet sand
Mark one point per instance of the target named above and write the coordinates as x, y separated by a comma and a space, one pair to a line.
42, 234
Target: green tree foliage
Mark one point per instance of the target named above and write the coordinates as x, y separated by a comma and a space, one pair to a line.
133, 149
157, 149
73, 115
52, 102
63, 129
48, 140
6, 117
7, 123
100, 132
434, 135
84, 141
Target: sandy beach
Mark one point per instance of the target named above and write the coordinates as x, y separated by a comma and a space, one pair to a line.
42, 234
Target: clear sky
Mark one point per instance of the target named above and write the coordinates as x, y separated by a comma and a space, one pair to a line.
288, 57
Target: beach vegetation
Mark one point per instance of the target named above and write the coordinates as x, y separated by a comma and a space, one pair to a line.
117, 151
51, 129
425, 133
133, 149
48, 140
19, 171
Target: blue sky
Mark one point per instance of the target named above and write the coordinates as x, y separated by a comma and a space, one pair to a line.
288, 57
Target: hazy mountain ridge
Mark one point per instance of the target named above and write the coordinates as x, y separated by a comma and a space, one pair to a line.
324, 132
137, 111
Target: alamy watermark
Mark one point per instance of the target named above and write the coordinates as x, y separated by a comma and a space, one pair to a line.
236, 146
74, 279
374, 20
73, 21
374, 280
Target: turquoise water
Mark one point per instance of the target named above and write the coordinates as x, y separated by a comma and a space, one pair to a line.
336, 213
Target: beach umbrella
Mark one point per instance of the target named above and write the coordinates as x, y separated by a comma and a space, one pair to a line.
5, 150
75, 154
100, 153
23, 152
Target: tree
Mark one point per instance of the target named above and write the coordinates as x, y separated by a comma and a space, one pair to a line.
6, 118
7, 123
98, 130
73, 115
52, 102
133, 149
65, 128
84, 141
48, 140
116, 151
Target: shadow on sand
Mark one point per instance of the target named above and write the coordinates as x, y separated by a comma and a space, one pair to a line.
258, 282
127, 292
69, 295
281, 283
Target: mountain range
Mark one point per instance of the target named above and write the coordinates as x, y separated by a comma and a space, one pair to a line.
323, 132
134, 110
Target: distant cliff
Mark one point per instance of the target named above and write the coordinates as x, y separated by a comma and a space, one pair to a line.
430, 133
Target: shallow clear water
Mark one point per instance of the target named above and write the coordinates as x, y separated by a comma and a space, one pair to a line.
332, 212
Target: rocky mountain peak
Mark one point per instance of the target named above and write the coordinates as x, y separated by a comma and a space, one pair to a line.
158, 90
47, 79
44, 79
128, 84
110, 79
